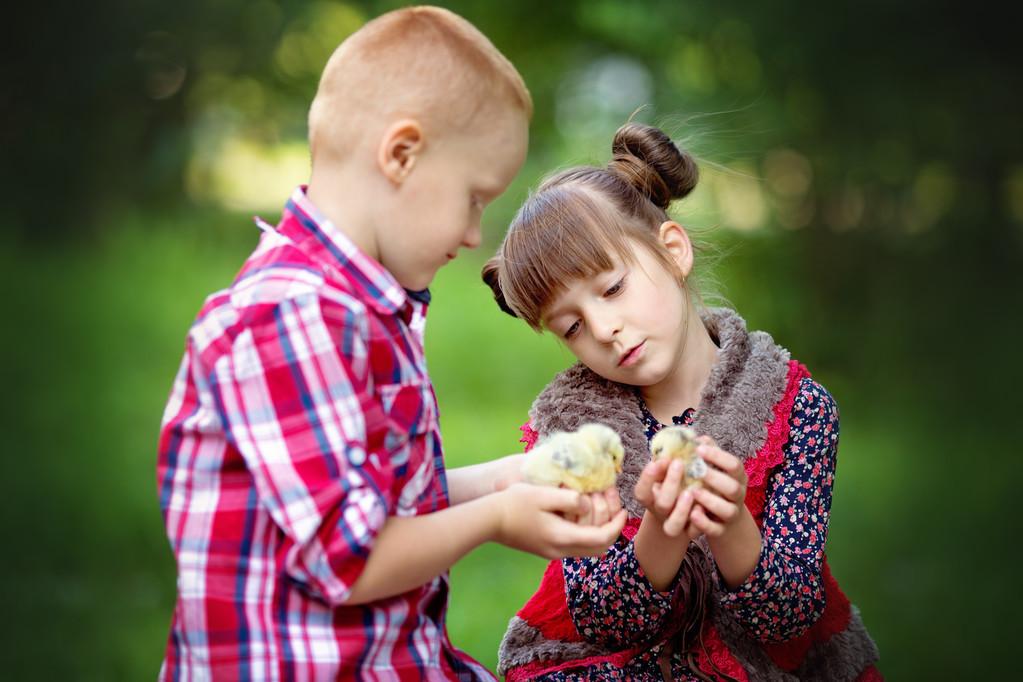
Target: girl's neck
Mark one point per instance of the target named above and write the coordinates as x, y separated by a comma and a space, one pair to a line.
684, 386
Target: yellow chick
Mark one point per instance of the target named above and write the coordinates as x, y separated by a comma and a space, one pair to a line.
603, 438
588, 459
679, 442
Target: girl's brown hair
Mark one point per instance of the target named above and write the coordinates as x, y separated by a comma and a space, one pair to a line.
577, 218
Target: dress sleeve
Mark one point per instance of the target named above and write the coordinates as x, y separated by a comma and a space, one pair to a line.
785, 593
611, 601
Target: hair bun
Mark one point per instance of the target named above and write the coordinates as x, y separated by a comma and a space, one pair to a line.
491, 277
647, 159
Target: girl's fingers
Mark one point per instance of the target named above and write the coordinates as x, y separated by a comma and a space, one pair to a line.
709, 528
648, 483
676, 522
724, 485
667, 496
724, 461
718, 506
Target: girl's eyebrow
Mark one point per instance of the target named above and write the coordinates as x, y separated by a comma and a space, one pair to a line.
553, 312
546, 318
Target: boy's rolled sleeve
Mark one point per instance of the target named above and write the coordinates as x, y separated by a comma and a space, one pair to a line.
294, 391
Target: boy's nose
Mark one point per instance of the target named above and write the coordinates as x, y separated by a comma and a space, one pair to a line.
473, 237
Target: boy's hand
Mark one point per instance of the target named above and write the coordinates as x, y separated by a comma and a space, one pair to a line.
530, 520
722, 498
510, 472
602, 508
659, 489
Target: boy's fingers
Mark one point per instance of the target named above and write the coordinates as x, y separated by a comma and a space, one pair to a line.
585, 519
561, 500
614, 502
600, 514
596, 539
585, 506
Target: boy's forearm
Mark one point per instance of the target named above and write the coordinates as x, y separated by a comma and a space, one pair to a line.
470, 482
658, 554
410, 551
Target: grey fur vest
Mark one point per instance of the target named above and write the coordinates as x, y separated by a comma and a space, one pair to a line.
749, 380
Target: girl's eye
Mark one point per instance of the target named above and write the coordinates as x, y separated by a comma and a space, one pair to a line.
615, 288
572, 330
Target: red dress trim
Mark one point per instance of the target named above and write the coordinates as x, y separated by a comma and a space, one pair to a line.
529, 436
718, 654
772, 453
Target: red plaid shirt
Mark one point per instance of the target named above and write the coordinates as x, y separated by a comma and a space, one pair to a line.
301, 418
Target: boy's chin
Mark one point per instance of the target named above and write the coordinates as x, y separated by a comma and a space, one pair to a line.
417, 282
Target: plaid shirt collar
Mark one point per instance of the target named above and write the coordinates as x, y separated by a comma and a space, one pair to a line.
313, 233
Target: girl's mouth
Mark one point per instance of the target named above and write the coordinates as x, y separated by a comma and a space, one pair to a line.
633, 356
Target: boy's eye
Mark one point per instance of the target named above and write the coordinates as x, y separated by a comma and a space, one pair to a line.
570, 332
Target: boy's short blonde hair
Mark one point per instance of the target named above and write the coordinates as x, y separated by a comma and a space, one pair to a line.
425, 63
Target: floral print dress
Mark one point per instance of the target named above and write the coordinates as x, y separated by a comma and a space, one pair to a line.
613, 604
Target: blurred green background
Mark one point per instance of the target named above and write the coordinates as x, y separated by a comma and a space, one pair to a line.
862, 182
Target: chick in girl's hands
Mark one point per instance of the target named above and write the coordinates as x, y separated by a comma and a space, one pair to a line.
588, 459
679, 442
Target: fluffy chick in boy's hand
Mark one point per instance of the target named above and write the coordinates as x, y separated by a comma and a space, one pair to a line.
588, 459
679, 442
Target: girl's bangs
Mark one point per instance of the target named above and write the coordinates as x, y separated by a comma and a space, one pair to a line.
558, 236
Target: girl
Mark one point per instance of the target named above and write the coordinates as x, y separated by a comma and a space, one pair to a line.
727, 582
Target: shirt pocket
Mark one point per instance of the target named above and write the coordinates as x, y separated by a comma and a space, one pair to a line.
411, 411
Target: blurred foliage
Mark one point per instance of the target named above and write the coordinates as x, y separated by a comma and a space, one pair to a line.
863, 180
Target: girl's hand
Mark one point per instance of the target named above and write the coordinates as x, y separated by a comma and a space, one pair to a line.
530, 518
723, 495
659, 489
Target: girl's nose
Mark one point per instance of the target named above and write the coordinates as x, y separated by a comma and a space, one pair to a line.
605, 327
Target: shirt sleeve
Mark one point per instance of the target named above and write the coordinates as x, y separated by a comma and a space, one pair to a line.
785, 594
611, 601
294, 392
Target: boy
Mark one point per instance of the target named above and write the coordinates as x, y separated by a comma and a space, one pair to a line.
300, 468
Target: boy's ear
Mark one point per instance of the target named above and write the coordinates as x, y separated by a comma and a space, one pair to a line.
676, 241
400, 147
